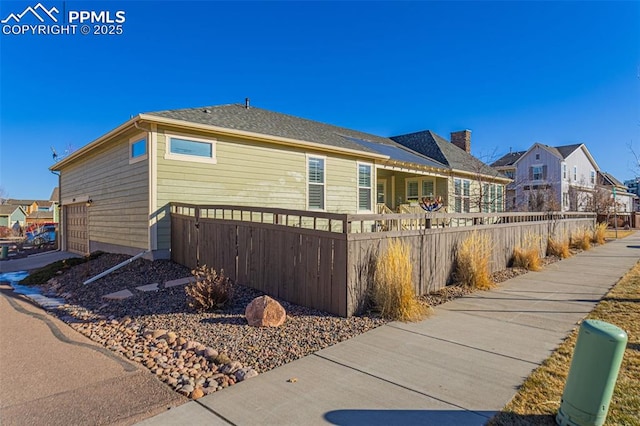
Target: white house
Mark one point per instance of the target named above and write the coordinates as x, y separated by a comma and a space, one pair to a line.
561, 178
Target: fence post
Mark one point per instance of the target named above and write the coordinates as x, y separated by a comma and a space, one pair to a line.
196, 214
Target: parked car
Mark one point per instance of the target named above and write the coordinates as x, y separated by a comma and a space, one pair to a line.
41, 236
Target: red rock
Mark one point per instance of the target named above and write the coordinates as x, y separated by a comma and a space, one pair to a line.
264, 311
197, 393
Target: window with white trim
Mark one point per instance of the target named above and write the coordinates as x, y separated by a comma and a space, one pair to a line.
428, 188
500, 198
575, 173
364, 187
189, 148
137, 149
316, 176
412, 189
461, 192
564, 171
593, 177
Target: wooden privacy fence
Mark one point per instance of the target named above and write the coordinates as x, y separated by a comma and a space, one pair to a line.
325, 260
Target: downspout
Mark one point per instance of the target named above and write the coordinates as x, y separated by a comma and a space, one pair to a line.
115, 268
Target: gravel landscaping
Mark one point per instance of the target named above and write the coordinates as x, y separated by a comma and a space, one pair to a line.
200, 352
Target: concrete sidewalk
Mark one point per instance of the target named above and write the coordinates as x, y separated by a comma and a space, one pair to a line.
458, 367
35, 261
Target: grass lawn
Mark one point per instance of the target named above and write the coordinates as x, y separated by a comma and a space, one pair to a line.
610, 234
538, 400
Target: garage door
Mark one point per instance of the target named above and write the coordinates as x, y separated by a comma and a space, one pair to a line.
76, 230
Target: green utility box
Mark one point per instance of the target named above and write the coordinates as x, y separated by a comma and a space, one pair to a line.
593, 373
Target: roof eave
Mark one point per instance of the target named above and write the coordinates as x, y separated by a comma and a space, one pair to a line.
95, 144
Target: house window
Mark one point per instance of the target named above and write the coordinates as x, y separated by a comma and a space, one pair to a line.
537, 156
564, 171
428, 188
575, 173
461, 191
565, 200
364, 187
137, 149
509, 174
316, 183
412, 189
537, 172
493, 198
466, 191
593, 177
486, 201
381, 190
191, 149
500, 199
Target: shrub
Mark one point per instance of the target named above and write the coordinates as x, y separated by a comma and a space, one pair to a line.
392, 290
581, 239
527, 255
559, 247
599, 233
209, 290
473, 257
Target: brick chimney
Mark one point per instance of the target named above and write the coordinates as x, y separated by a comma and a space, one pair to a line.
462, 139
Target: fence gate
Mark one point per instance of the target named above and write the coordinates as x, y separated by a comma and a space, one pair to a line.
76, 229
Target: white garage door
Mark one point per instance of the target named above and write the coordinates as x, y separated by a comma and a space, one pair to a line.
76, 229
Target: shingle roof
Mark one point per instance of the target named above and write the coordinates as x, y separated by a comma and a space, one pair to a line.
508, 159
434, 146
566, 150
7, 209
41, 215
55, 195
257, 120
612, 180
14, 202
266, 122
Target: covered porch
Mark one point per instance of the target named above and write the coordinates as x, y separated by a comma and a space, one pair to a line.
400, 191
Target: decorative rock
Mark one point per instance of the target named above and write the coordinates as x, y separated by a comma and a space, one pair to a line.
197, 393
158, 333
231, 367
245, 373
210, 354
264, 311
222, 359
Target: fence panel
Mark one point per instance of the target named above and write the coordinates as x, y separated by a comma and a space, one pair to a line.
333, 270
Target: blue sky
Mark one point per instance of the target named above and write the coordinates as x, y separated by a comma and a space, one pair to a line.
514, 73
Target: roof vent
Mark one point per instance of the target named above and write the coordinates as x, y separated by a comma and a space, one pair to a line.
206, 111
246, 103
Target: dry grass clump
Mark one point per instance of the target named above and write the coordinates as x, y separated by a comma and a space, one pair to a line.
558, 247
209, 290
393, 291
527, 255
539, 398
473, 258
599, 233
581, 239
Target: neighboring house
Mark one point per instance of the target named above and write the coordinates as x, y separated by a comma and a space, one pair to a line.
561, 178
634, 187
506, 166
10, 214
621, 200
29, 206
115, 192
476, 186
